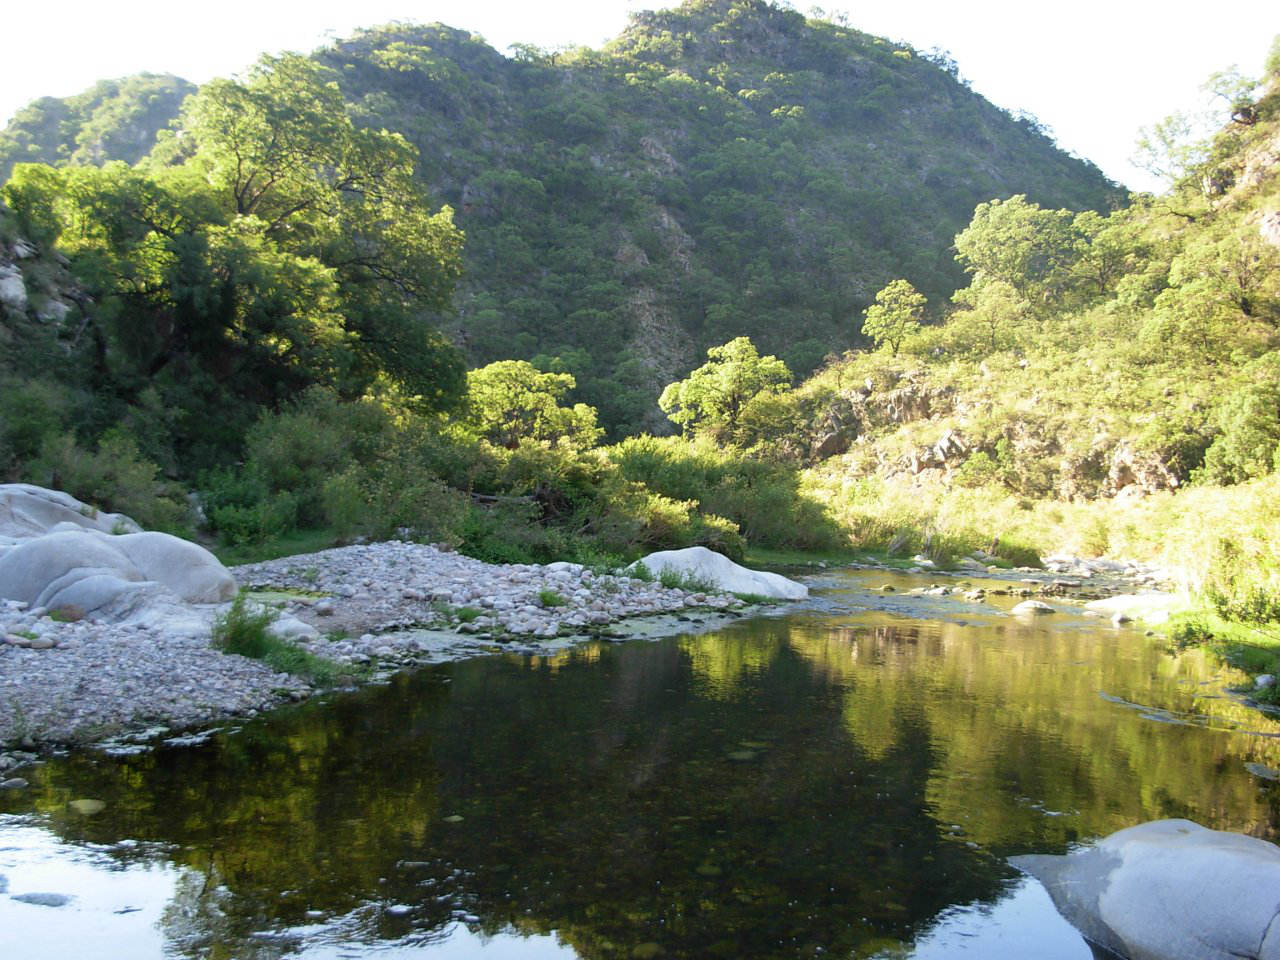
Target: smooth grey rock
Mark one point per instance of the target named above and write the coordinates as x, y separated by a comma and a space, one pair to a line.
291, 628
13, 291
13, 783
43, 899
1153, 607
90, 570
1032, 608
703, 564
29, 511
1169, 890
188, 569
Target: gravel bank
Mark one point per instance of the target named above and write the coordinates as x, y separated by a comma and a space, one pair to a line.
375, 607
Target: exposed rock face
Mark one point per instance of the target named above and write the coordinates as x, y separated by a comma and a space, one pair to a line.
703, 564
1169, 890
56, 552
13, 290
1269, 227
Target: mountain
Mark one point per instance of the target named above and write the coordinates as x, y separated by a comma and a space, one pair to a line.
726, 168
113, 120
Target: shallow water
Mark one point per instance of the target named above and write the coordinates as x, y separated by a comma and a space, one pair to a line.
846, 779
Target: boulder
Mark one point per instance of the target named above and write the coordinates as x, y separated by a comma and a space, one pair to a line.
699, 563
1153, 607
29, 511
1169, 890
1032, 608
13, 290
56, 552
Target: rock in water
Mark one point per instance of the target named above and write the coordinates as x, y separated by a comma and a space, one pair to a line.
699, 563
1169, 890
1032, 608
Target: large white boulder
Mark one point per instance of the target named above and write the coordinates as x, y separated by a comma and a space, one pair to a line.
1169, 890
699, 563
29, 511
58, 553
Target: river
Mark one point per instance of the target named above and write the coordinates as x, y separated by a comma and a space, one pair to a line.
843, 779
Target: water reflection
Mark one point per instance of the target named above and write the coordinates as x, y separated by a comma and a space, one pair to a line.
843, 780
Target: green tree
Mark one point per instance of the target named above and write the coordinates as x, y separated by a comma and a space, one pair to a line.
1249, 444
269, 247
713, 396
281, 148
511, 400
895, 315
1015, 241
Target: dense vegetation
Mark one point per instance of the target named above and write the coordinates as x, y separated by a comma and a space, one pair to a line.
260, 310
113, 120
727, 168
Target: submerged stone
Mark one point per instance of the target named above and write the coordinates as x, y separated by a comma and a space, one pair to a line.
1169, 890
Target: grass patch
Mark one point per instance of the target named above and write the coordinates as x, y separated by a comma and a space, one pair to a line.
468, 614
1252, 648
689, 582
288, 545
247, 632
757, 557
551, 598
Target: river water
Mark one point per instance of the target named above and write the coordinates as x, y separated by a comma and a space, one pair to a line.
845, 779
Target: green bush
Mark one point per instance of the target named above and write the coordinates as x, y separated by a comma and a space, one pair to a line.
1249, 445
247, 633
114, 477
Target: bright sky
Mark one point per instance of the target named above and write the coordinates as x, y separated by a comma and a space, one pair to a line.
1094, 71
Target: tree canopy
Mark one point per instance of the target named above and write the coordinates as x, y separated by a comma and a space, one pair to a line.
268, 246
713, 396
895, 315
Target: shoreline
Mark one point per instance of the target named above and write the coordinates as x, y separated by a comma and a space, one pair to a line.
372, 609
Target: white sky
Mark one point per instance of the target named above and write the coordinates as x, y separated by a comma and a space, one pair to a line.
1095, 71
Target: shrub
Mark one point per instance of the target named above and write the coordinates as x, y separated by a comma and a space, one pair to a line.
247, 633
114, 477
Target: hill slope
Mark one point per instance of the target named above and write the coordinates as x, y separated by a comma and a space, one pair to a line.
725, 168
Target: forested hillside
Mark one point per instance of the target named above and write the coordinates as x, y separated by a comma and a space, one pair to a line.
727, 168
113, 120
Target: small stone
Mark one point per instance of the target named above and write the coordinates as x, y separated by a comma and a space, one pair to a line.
42, 643
1032, 608
1264, 680
43, 899
1120, 617
324, 608
13, 783
87, 807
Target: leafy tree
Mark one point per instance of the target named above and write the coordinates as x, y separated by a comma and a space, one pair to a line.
271, 247
511, 400
281, 148
1249, 445
713, 396
895, 315
1015, 241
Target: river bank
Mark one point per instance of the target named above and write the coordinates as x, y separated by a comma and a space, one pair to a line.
371, 609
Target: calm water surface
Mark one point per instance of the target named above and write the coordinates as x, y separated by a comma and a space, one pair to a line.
846, 780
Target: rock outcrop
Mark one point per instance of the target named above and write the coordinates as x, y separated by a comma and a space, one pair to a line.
58, 553
701, 564
1169, 890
